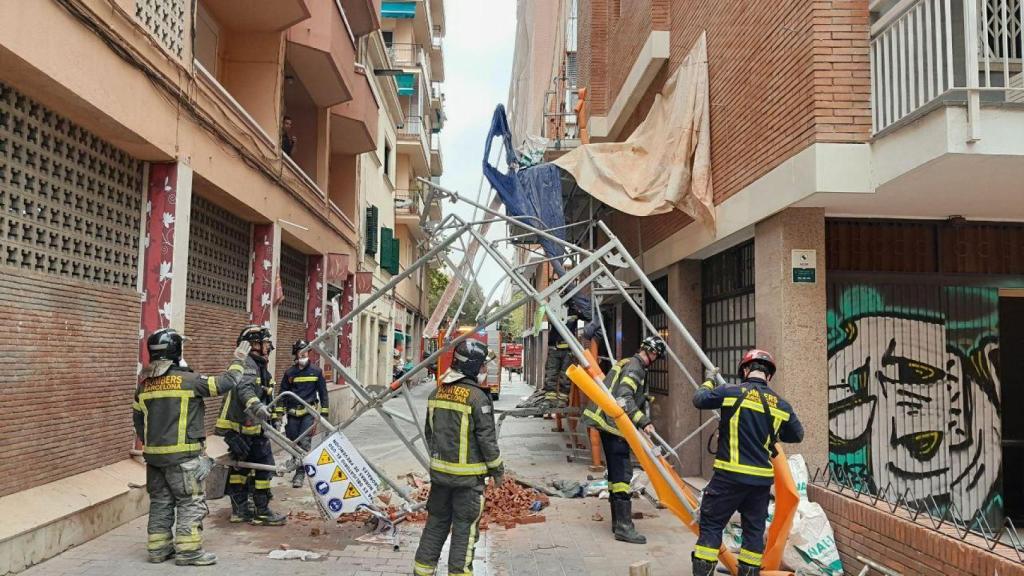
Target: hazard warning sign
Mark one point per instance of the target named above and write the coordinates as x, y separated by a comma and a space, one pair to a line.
325, 459
338, 473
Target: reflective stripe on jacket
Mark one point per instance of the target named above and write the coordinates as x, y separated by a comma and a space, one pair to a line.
307, 383
627, 383
235, 413
461, 434
168, 412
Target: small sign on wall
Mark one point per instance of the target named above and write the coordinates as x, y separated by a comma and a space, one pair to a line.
805, 264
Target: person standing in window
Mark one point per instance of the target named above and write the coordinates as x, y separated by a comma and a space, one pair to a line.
287, 139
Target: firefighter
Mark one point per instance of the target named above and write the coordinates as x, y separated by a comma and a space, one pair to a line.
168, 417
753, 419
240, 423
627, 383
306, 381
463, 445
555, 394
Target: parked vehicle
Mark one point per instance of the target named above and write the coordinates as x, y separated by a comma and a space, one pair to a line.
512, 357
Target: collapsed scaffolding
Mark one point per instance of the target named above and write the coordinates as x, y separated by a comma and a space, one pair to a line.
593, 268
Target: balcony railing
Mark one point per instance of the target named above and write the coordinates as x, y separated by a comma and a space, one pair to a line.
435, 38
406, 55
412, 128
408, 203
940, 51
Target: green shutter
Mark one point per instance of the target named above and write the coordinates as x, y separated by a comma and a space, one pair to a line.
385, 248
371, 230
395, 262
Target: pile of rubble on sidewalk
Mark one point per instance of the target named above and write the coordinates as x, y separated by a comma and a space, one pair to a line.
508, 505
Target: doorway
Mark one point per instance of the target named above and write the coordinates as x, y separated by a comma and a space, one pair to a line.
1011, 376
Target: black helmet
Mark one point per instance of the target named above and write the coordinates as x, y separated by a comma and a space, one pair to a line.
469, 356
655, 345
254, 333
164, 344
298, 346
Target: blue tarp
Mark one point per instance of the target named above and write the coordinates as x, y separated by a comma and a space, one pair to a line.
532, 194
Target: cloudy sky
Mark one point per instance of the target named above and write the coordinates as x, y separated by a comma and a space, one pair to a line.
478, 52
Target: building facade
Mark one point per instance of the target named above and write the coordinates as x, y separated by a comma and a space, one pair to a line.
196, 165
866, 163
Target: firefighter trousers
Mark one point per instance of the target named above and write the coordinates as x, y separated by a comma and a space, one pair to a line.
556, 383
724, 496
244, 481
452, 510
620, 466
296, 426
177, 506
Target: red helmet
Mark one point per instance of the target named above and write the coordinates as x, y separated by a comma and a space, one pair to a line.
759, 356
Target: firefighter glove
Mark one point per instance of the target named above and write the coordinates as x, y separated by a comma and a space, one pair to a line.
242, 352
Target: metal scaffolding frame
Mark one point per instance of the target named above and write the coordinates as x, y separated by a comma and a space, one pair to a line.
594, 267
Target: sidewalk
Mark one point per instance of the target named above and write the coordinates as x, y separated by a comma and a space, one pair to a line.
569, 543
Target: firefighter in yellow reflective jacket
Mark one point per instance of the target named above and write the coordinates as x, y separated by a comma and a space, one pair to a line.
168, 417
463, 443
241, 424
753, 419
627, 383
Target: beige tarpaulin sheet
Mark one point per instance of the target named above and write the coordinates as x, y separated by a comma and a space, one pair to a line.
666, 162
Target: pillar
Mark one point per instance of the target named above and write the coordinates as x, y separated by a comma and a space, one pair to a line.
347, 304
316, 299
791, 321
265, 265
164, 251
674, 415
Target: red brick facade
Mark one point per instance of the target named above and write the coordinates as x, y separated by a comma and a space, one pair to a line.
67, 356
288, 331
212, 331
783, 75
894, 540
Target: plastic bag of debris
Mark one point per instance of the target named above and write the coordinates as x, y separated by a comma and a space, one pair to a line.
811, 549
596, 487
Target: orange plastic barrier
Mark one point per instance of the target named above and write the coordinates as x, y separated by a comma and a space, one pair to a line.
786, 497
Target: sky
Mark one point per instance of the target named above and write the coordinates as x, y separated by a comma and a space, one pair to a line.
478, 48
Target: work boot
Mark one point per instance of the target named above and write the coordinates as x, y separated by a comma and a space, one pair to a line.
748, 570
622, 521
703, 567
161, 556
241, 509
264, 515
300, 475
199, 558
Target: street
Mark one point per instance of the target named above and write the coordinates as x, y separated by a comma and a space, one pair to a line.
570, 542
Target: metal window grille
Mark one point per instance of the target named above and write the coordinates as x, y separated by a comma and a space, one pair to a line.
165, 19
372, 229
728, 307
70, 203
293, 281
657, 374
218, 256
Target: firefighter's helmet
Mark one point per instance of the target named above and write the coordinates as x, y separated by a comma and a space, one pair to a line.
469, 356
764, 360
164, 344
655, 345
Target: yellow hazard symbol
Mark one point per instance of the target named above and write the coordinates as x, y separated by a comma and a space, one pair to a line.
339, 475
325, 458
352, 492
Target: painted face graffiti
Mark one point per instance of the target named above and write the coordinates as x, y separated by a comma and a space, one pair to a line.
910, 411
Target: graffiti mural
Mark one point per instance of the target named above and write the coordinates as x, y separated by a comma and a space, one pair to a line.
914, 394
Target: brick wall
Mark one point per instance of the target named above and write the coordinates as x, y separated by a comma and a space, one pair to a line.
212, 331
895, 541
68, 354
783, 75
288, 331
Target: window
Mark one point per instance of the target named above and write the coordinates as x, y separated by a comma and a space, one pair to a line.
389, 37
371, 230
657, 374
387, 160
728, 307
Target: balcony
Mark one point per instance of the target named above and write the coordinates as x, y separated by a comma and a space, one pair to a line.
406, 55
436, 160
270, 17
946, 112
437, 54
561, 126
408, 209
354, 123
363, 15
323, 54
414, 141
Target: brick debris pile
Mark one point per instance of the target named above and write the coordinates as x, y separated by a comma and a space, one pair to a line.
507, 506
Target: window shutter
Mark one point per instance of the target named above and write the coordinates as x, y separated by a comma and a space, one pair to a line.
385, 248
371, 230
396, 262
